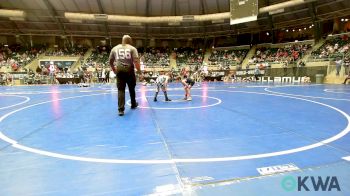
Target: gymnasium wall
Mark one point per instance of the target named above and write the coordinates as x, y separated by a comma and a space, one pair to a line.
297, 72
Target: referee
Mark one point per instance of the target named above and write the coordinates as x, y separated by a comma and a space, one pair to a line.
123, 59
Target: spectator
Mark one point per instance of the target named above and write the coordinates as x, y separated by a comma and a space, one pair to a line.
346, 79
338, 64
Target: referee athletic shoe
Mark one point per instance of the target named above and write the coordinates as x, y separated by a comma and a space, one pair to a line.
134, 106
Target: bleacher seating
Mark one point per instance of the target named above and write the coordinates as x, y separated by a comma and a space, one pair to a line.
333, 47
189, 56
69, 51
98, 56
155, 57
227, 57
17, 56
288, 53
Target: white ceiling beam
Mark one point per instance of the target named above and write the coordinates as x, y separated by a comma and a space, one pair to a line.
177, 19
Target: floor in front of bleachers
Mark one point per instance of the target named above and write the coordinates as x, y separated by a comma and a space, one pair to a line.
67, 140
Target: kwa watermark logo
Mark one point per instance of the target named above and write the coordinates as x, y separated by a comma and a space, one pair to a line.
310, 183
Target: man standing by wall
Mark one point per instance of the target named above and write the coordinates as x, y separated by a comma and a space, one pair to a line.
123, 59
338, 64
52, 71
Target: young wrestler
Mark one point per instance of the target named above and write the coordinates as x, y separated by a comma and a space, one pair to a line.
162, 83
187, 82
